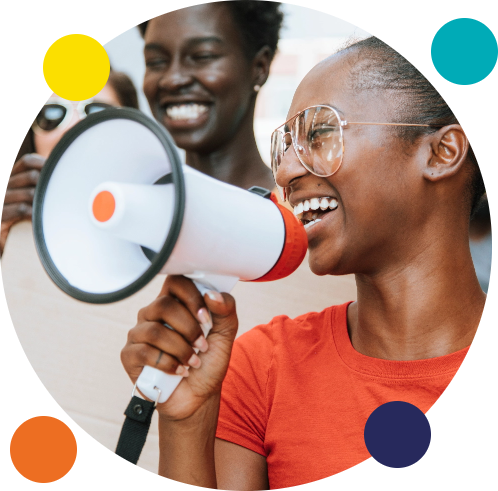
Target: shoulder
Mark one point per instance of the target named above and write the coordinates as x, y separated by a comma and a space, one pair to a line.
258, 358
262, 340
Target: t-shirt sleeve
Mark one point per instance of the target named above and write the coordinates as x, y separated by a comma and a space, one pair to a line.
244, 405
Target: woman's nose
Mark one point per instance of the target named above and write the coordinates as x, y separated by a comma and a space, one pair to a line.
175, 77
75, 118
290, 169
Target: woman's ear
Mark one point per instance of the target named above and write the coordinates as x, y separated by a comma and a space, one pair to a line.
261, 66
449, 153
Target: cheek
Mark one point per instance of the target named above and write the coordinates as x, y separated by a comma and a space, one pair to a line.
218, 81
372, 185
150, 85
46, 142
228, 80
379, 204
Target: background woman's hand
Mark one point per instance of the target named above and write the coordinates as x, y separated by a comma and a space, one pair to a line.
181, 306
18, 204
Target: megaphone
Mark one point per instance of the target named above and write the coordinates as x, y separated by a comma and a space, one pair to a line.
114, 206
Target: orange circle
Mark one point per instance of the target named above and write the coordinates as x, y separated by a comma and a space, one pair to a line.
103, 206
43, 449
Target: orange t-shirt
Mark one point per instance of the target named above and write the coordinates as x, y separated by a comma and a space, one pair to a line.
299, 394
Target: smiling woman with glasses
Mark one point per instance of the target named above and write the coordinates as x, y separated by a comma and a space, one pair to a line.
380, 171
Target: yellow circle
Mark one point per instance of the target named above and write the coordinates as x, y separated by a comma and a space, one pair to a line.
76, 67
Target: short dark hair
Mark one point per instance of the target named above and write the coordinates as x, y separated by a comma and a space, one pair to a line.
379, 66
124, 88
259, 24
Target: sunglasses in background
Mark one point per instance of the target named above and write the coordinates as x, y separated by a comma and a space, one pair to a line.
57, 114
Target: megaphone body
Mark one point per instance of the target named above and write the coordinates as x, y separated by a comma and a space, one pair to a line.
114, 206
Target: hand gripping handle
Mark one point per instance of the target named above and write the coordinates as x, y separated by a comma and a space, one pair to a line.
158, 385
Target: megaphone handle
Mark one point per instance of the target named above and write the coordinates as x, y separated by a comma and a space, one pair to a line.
157, 385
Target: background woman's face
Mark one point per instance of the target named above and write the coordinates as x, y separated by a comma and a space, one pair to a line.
197, 79
46, 141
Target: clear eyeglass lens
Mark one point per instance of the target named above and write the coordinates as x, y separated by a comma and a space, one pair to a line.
277, 152
319, 141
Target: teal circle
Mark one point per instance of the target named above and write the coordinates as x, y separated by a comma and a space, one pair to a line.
464, 51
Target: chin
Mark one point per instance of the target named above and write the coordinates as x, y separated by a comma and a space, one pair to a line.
322, 265
202, 140
320, 268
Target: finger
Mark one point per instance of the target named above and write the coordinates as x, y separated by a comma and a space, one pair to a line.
16, 212
184, 290
19, 195
223, 311
28, 162
166, 340
169, 311
135, 357
24, 179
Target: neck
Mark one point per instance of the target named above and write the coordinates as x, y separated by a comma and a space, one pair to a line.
427, 307
237, 161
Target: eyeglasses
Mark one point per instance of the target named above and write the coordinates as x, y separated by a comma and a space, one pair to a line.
58, 114
316, 133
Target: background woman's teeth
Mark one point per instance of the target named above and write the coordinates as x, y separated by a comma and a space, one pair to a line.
324, 204
314, 203
186, 111
333, 204
306, 205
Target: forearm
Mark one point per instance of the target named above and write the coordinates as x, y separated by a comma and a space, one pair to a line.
186, 448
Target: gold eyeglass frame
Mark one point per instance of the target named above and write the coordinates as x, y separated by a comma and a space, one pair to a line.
342, 124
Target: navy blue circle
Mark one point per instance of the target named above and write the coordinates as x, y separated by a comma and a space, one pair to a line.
397, 434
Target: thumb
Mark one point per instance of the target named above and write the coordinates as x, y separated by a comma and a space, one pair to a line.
223, 312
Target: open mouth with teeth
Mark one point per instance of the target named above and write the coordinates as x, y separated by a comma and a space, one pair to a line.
186, 112
311, 211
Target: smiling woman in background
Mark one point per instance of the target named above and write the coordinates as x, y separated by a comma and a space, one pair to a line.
204, 68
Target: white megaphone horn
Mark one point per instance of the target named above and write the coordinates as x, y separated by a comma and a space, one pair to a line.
114, 206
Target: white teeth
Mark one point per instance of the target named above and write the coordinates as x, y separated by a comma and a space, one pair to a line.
315, 204
309, 224
186, 111
298, 209
324, 204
